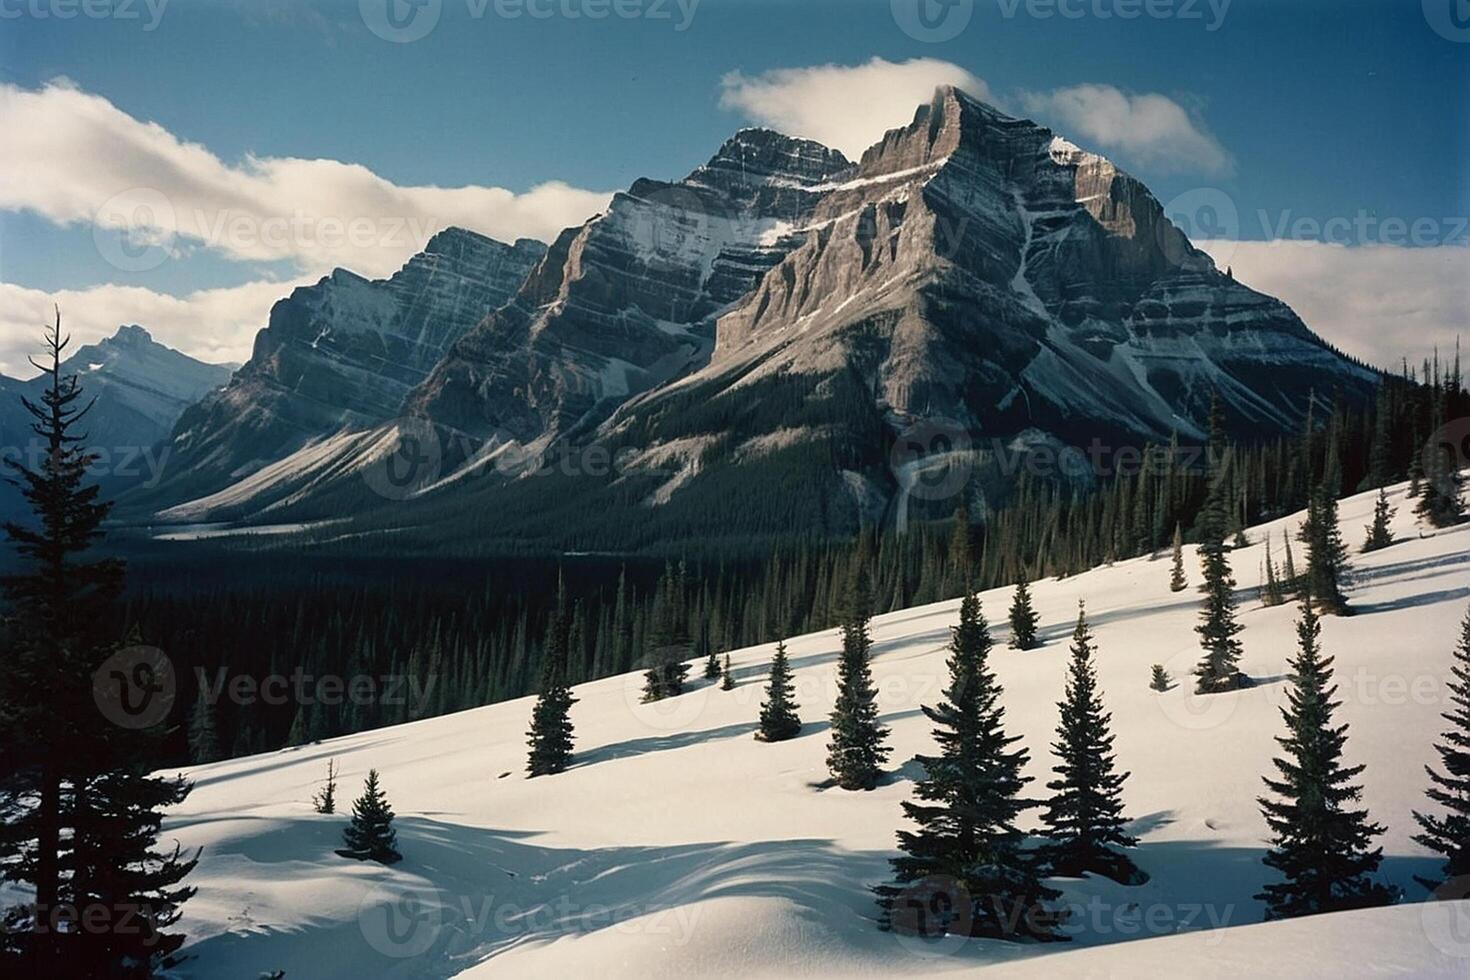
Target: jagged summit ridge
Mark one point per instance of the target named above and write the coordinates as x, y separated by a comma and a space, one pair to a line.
341, 353
971, 266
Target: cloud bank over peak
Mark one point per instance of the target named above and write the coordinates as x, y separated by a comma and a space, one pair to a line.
850, 107
846, 107
75, 158
1150, 131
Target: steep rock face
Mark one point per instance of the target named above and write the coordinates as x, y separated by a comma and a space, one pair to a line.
979, 268
342, 353
619, 304
780, 315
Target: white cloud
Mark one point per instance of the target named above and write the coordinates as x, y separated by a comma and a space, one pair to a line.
74, 157
1377, 302
215, 325
846, 107
1150, 131
850, 107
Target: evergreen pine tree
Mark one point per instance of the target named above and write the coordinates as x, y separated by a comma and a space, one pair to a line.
115, 817
667, 670
1442, 495
57, 603
1214, 521
1380, 453
1272, 594
712, 664
370, 836
550, 737
1023, 617
1319, 844
1085, 814
967, 805
324, 800
1177, 581
1449, 835
778, 714
297, 733
81, 810
1218, 670
727, 679
1379, 534
1326, 554
856, 752
1290, 581
1159, 678
203, 739
961, 561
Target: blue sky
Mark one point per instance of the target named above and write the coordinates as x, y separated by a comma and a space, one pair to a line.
1296, 112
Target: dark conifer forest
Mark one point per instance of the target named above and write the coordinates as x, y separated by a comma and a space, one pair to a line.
463, 630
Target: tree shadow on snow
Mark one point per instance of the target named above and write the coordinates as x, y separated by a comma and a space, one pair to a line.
659, 743
1410, 601
463, 896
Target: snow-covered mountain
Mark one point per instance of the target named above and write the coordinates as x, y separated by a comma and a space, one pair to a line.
140, 385
341, 354
781, 314
141, 388
614, 309
678, 846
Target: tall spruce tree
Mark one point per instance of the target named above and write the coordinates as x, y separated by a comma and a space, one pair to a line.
1380, 535
1085, 814
727, 676
1218, 670
115, 819
82, 811
1326, 553
203, 739
1442, 495
1319, 842
1023, 617
1449, 835
550, 737
1290, 581
968, 802
1177, 581
856, 753
1271, 594
779, 720
961, 555
370, 836
667, 641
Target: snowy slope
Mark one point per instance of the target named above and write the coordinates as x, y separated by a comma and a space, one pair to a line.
678, 846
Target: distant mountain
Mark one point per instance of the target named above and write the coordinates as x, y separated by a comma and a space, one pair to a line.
749, 341
341, 354
141, 388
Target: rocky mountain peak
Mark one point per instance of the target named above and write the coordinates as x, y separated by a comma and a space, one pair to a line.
764, 156
130, 335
